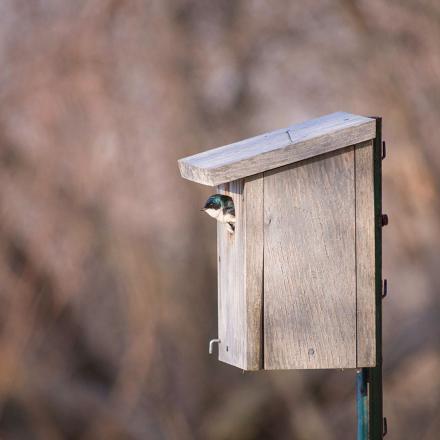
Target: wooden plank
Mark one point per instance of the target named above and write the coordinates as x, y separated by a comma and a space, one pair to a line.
231, 297
240, 272
365, 251
277, 148
240, 275
253, 191
309, 264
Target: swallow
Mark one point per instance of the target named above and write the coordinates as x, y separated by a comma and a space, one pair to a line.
221, 208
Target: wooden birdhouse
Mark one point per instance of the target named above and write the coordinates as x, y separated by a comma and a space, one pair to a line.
296, 280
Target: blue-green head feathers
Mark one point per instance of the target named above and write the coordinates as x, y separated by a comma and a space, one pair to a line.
219, 201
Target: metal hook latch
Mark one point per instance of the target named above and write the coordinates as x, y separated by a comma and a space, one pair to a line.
385, 288
384, 150
211, 344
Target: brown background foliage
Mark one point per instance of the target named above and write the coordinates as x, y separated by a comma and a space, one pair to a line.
107, 273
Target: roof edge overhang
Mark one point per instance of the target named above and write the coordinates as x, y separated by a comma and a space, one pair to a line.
277, 148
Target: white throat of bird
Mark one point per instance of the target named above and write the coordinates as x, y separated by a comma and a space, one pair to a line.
214, 213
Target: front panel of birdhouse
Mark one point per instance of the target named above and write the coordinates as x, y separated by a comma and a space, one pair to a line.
296, 284
240, 277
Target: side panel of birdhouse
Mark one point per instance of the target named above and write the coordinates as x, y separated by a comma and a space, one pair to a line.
310, 264
240, 276
365, 255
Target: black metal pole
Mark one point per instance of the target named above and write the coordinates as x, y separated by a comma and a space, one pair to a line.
375, 391
369, 393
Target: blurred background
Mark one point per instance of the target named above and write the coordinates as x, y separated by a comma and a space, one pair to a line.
108, 271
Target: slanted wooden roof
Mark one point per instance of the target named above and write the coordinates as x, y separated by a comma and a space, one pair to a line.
277, 148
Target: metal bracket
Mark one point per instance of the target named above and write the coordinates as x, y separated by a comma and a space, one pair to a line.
211, 345
384, 150
385, 288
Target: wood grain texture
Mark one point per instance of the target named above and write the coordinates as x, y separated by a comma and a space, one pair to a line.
365, 255
240, 277
231, 296
253, 192
277, 148
309, 264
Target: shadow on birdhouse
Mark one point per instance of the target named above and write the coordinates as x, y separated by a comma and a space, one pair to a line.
296, 280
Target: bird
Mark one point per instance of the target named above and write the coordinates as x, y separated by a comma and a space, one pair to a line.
221, 208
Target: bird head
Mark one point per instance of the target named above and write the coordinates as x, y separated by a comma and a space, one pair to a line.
215, 204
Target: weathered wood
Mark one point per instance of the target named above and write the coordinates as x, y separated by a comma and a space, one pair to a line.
309, 264
253, 192
365, 260
278, 148
231, 298
240, 272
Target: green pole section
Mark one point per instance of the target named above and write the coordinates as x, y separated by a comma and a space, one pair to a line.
362, 403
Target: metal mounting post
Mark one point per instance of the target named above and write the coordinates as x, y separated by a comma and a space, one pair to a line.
369, 392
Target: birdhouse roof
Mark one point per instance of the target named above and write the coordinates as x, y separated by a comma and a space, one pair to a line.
277, 148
